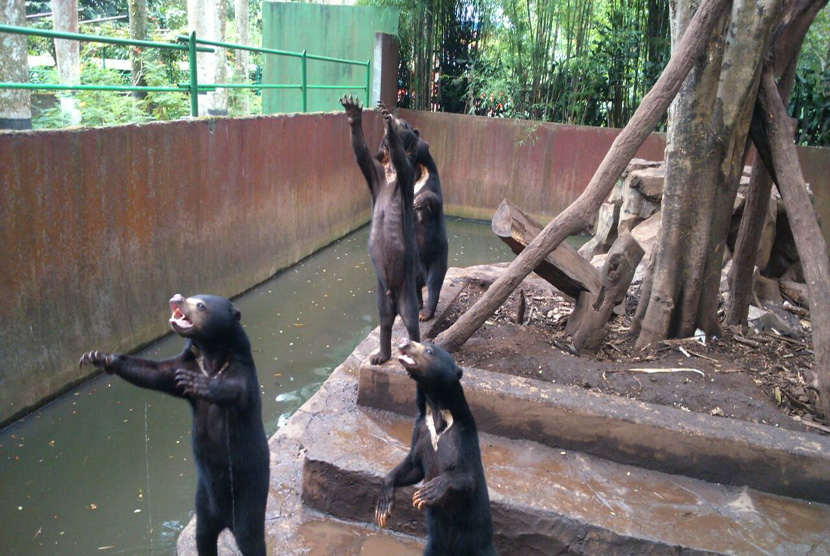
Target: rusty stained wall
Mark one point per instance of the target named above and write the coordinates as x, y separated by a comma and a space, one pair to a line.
544, 167
541, 167
99, 227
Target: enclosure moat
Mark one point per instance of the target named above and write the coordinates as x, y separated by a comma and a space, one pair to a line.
108, 466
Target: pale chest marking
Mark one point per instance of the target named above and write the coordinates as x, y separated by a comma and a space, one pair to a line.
391, 174
422, 180
433, 435
200, 360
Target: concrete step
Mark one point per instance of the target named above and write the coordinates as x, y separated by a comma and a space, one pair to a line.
553, 501
661, 438
312, 533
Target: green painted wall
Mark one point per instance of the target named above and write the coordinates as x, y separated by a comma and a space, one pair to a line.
346, 32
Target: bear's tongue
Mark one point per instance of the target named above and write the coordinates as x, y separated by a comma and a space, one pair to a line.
406, 359
178, 318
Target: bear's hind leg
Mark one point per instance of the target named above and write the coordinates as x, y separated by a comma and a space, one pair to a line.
208, 526
435, 280
408, 309
250, 538
386, 314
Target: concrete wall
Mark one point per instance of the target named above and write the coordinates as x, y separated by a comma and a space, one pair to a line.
544, 167
540, 167
99, 227
346, 32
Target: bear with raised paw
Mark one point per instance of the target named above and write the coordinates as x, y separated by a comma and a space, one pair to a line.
445, 454
392, 237
216, 374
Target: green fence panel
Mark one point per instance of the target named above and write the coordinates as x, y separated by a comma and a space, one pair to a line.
342, 33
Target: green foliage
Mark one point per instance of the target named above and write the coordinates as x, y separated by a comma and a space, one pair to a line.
810, 98
574, 61
98, 108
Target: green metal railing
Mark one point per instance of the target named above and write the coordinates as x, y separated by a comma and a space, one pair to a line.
192, 47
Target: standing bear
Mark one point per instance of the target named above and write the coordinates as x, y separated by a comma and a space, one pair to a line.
430, 231
392, 237
445, 454
216, 374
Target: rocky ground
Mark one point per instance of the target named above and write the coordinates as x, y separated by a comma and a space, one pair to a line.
755, 376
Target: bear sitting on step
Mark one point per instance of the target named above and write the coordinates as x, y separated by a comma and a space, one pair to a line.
216, 374
446, 455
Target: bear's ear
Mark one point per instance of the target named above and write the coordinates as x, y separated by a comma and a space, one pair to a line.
237, 314
459, 373
417, 131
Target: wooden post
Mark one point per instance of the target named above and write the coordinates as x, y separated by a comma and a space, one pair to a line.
774, 142
593, 310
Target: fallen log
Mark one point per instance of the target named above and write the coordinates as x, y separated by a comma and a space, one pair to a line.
593, 310
564, 268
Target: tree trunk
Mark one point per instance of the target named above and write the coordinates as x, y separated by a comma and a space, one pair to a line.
67, 52
138, 31
704, 160
786, 44
242, 21
578, 215
15, 105
219, 99
746, 246
201, 19
775, 145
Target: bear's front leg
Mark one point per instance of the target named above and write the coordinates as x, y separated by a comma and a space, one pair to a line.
104, 361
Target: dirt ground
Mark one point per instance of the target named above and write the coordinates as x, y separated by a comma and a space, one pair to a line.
763, 379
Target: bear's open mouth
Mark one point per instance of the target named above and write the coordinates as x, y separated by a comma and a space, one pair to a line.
178, 317
406, 359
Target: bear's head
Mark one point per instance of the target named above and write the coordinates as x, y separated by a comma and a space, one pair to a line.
203, 317
430, 366
410, 137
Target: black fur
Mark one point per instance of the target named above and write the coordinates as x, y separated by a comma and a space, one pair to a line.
430, 231
392, 239
454, 492
216, 374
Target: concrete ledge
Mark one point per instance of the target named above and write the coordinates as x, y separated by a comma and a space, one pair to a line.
650, 436
517, 529
553, 501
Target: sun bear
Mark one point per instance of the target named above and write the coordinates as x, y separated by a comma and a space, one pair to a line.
216, 374
392, 237
446, 455
430, 231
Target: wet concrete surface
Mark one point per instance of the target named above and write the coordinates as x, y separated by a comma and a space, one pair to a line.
572, 493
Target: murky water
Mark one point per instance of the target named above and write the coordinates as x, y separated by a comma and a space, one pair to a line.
107, 468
